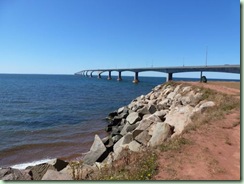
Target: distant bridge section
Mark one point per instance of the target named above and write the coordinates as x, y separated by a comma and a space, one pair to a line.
169, 70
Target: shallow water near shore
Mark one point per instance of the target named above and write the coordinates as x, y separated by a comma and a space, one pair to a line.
56, 116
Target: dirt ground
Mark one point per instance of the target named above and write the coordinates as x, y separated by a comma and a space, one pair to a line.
213, 154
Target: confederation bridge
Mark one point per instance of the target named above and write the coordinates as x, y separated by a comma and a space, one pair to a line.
169, 70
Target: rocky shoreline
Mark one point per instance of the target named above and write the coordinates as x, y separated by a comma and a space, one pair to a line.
147, 121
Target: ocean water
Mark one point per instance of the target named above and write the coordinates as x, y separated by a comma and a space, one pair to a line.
56, 116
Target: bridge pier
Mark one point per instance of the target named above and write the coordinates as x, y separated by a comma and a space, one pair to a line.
99, 76
169, 77
91, 74
119, 77
109, 75
136, 78
86, 73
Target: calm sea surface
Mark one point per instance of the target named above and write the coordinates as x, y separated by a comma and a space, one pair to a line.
57, 116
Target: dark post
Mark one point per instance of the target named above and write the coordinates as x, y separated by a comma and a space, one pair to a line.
170, 77
109, 75
119, 76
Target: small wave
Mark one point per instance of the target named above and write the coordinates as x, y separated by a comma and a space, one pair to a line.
33, 163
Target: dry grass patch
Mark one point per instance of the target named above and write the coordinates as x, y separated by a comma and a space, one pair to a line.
234, 85
175, 143
132, 166
224, 105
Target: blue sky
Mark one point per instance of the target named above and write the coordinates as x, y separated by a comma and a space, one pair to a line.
66, 36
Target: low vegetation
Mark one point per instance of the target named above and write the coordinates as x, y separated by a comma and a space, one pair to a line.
132, 166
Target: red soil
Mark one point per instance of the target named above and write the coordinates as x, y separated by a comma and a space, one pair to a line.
214, 153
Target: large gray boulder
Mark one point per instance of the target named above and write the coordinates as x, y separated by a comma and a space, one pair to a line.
13, 174
143, 137
201, 107
171, 95
123, 110
96, 151
154, 118
133, 118
143, 111
38, 171
134, 146
185, 100
55, 175
124, 140
161, 114
164, 104
144, 124
161, 132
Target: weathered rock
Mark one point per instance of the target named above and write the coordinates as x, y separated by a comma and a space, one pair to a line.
146, 116
67, 170
124, 140
38, 171
186, 89
167, 90
185, 109
151, 128
96, 151
144, 110
161, 132
123, 115
204, 106
171, 95
152, 97
198, 97
179, 118
164, 104
111, 115
116, 138
136, 133
156, 94
115, 130
177, 88
13, 174
161, 114
158, 87
133, 118
121, 109
108, 141
131, 105
154, 118
123, 122
130, 128
134, 146
124, 129
185, 100
120, 152
55, 175
58, 164
144, 124
152, 109
143, 137
87, 172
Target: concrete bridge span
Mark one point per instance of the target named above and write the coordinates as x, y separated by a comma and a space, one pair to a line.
169, 70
